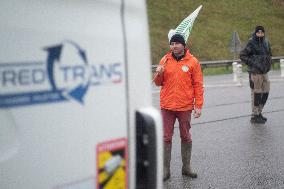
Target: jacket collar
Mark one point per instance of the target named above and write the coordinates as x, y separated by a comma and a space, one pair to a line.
257, 39
187, 55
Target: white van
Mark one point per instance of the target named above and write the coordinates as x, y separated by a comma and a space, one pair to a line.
75, 96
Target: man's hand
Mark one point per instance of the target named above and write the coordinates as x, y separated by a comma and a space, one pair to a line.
197, 113
160, 69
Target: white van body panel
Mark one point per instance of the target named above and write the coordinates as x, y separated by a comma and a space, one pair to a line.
72, 75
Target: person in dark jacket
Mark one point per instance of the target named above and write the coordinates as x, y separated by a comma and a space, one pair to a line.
257, 55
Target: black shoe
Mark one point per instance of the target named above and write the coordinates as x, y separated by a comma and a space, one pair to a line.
264, 118
253, 118
257, 119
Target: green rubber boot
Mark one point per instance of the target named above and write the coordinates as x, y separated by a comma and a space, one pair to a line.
167, 161
186, 157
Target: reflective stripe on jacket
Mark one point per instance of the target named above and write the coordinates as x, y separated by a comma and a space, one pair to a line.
182, 83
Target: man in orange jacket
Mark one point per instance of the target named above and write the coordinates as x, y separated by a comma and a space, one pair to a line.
180, 77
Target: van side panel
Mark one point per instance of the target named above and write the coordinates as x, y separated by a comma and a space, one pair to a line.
62, 94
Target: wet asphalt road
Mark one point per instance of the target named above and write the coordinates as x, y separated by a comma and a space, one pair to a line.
229, 151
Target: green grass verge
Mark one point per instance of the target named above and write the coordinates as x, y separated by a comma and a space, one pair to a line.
215, 25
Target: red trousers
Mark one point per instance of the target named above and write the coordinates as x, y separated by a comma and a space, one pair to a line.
169, 118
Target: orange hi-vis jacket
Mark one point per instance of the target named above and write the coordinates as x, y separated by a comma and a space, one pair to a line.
181, 83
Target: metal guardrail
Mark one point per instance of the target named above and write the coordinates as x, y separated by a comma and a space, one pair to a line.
220, 63
229, 62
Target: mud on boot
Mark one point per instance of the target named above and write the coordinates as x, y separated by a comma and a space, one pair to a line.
167, 161
186, 157
189, 173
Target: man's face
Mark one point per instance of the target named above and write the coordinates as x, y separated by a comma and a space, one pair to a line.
177, 48
260, 33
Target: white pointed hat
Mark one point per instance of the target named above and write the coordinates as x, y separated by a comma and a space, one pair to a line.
185, 27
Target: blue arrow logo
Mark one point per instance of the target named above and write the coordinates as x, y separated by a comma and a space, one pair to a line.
54, 54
